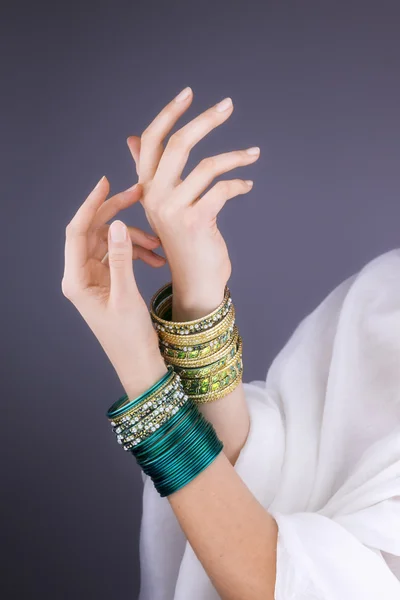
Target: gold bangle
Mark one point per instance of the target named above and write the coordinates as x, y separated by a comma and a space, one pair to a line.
198, 351
161, 303
218, 392
188, 372
199, 337
202, 362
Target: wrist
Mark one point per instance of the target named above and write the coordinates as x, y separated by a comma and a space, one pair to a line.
188, 305
142, 375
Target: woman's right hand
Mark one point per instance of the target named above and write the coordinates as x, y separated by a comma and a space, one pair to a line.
106, 295
183, 218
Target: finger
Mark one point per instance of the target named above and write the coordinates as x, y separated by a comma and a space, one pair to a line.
134, 143
210, 168
151, 144
176, 153
137, 236
120, 252
116, 203
76, 231
213, 201
149, 257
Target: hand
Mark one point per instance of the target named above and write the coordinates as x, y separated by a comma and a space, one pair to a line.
185, 222
107, 295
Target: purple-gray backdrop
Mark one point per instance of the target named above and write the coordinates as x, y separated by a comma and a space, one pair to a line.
315, 84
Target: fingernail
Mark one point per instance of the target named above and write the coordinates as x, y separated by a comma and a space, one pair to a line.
159, 258
99, 182
153, 238
130, 189
253, 150
118, 231
249, 182
183, 94
223, 105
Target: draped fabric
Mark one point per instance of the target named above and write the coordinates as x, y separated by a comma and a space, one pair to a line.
322, 456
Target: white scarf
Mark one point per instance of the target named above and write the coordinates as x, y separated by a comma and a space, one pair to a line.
322, 456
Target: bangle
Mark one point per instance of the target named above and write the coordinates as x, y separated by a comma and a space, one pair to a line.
206, 352
123, 404
182, 445
161, 307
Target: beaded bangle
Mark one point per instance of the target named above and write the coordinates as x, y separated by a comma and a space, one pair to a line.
204, 390
192, 338
232, 340
161, 304
123, 404
206, 353
188, 372
182, 445
199, 350
220, 392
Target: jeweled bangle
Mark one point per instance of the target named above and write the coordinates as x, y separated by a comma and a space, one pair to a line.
178, 450
150, 403
161, 303
123, 404
187, 349
206, 386
191, 337
233, 335
217, 391
225, 360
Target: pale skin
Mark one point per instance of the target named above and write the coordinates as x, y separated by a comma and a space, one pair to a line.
233, 536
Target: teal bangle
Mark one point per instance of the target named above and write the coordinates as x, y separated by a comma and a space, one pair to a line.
120, 406
179, 448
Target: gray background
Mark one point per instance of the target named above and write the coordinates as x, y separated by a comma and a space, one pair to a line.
315, 84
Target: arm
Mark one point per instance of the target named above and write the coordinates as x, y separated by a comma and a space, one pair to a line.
229, 415
187, 225
231, 533
233, 536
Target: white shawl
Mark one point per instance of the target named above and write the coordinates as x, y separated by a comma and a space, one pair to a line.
322, 456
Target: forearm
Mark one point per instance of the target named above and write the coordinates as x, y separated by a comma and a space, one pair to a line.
229, 415
231, 533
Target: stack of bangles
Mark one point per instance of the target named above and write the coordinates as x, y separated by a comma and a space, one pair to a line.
164, 428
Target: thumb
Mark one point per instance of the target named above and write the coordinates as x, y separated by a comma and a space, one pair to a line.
123, 283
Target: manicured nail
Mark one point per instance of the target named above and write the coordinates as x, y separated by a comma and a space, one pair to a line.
249, 182
130, 189
183, 94
99, 182
223, 105
254, 150
118, 231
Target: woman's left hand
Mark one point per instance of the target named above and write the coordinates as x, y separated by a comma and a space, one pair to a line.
185, 222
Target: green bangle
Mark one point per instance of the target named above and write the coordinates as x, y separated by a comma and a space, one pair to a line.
121, 405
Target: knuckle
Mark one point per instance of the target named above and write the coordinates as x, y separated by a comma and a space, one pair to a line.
223, 187
209, 163
189, 220
147, 134
117, 258
166, 212
177, 140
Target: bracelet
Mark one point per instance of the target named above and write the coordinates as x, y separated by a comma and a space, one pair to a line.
165, 431
206, 352
123, 404
200, 349
160, 311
